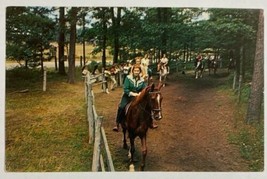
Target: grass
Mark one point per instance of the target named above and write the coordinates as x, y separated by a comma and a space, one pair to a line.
249, 138
45, 131
88, 52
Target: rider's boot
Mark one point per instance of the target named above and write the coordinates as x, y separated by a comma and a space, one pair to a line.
118, 119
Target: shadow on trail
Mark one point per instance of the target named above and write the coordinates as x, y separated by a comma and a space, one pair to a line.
207, 82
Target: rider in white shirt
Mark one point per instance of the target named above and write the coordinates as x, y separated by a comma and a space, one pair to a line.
144, 64
164, 61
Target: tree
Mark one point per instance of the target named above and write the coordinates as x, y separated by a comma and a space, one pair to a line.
116, 20
30, 31
61, 41
256, 95
71, 58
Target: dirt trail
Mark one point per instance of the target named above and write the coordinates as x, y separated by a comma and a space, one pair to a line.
193, 134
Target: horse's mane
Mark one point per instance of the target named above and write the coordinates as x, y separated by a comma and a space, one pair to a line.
142, 95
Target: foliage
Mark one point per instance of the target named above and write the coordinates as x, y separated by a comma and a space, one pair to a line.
30, 31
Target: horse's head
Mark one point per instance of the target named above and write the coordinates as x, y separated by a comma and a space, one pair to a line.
155, 99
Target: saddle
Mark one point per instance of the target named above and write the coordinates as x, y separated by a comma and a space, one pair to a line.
127, 107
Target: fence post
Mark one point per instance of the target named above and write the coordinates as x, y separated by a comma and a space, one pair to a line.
234, 81
90, 113
44, 80
121, 77
85, 88
96, 155
104, 82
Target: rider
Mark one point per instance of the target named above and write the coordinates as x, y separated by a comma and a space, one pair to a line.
164, 61
199, 59
145, 64
132, 86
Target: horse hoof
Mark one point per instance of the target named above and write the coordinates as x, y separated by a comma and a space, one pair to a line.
131, 168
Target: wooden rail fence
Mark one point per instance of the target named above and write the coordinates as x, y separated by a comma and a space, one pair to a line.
96, 131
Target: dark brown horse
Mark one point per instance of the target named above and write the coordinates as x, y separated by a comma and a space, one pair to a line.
213, 65
140, 113
231, 65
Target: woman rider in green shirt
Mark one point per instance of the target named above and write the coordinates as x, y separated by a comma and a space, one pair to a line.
132, 86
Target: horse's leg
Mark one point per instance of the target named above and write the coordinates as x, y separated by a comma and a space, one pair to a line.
125, 146
132, 149
144, 153
164, 80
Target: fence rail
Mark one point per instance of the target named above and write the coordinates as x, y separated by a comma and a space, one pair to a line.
96, 131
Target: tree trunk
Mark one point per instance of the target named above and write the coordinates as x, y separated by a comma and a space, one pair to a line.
104, 38
71, 58
256, 95
84, 58
116, 27
61, 41
240, 80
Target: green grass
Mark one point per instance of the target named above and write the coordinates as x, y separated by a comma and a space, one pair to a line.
251, 144
45, 131
249, 138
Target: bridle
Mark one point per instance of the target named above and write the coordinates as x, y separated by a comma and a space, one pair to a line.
157, 109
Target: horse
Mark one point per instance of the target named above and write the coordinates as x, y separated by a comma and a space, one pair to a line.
213, 65
231, 65
199, 68
139, 115
163, 72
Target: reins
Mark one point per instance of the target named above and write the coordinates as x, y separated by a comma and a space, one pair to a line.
143, 108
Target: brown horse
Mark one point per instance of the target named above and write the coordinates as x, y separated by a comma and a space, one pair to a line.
231, 65
213, 65
140, 113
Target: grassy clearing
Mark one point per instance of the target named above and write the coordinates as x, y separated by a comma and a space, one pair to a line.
88, 52
45, 131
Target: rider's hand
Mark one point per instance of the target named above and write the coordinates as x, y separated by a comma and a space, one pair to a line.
134, 94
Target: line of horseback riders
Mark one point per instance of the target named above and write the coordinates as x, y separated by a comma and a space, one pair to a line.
200, 62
